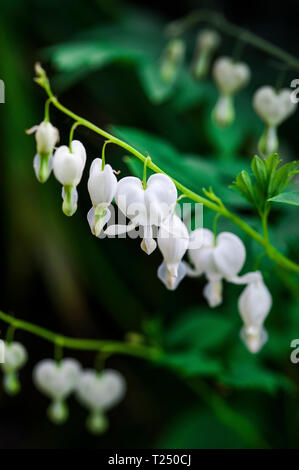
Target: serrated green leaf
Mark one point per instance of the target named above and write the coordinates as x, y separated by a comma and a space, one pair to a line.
259, 171
290, 197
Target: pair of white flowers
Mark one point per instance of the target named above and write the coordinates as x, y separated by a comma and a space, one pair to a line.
97, 391
219, 259
272, 106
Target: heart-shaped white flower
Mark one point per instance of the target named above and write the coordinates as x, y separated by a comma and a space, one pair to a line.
173, 241
100, 391
144, 207
230, 76
218, 259
102, 185
254, 306
56, 380
68, 168
46, 136
15, 357
68, 165
273, 106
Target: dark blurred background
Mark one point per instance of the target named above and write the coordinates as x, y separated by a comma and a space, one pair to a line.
57, 275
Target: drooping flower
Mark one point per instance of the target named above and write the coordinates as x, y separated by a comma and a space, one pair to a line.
273, 107
254, 305
98, 392
102, 185
230, 77
68, 166
57, 380
173, 241
218, 259
172, 59
144, 207
15, 358
46, 136
207, 42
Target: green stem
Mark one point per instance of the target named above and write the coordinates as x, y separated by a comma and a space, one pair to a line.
219, 208
47, 110
265, 226
103, 153
146, 161
73, 128
218, 21
105, 346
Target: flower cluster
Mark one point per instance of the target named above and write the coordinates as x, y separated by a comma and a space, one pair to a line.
149, 206
98, 391
230, 77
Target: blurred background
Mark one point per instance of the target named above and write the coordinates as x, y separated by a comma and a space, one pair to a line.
102, 57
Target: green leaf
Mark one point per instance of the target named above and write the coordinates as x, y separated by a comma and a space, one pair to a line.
252, 375
290, 197
259, 171
199, 330
191, 364
156, 89
243, 185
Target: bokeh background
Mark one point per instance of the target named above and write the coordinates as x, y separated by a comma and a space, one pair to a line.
209, 391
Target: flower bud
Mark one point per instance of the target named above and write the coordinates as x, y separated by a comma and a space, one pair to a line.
173, 241
254, 305
46, 136
68, 168
15, 358
207, 43
102, 185
172, 60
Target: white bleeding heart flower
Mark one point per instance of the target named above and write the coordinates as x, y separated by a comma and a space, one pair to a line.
230, 77
99, 392
173, 241
218, 259
15, 356
208, 39
46, 136
254, 306
207, 42
57, 380
102, 185
172, 60
144, 207
68, 168
273, 107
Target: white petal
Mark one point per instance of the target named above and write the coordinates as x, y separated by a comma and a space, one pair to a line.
57, 381
254, 342
99, 392
169, 281
254, 304
171, 247
213, 293
102, 184
229, 254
